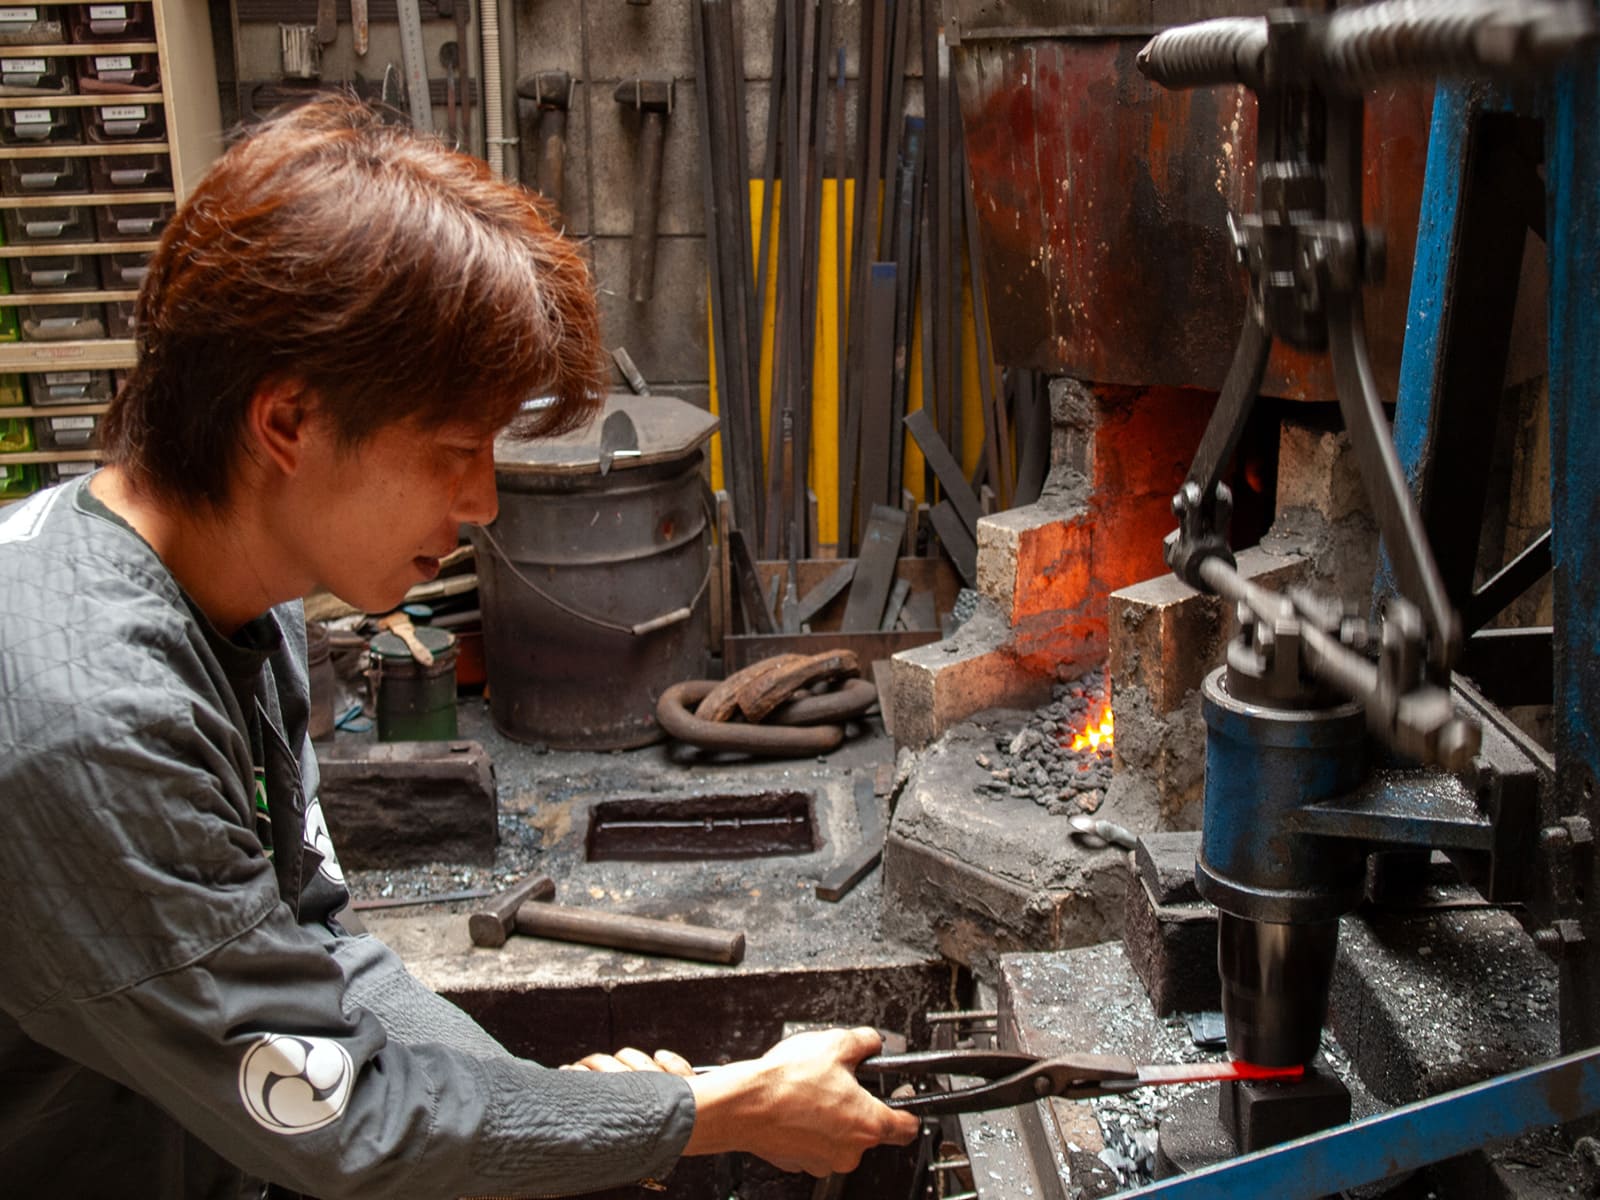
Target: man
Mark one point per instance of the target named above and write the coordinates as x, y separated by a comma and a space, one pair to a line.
334, 329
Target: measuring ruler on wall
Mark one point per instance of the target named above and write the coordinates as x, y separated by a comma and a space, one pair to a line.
414, 62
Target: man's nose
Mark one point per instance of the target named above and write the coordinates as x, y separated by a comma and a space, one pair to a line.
478, 501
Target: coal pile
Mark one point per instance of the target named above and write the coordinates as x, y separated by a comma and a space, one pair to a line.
1038, 763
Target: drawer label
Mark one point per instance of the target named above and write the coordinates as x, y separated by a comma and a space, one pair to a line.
31, 116
108, 12
124, 112
114, 62
19, 14
23, 66
71, 422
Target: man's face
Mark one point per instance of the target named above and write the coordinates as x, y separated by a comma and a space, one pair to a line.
385, 511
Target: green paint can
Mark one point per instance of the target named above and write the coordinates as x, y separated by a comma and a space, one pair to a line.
414, 702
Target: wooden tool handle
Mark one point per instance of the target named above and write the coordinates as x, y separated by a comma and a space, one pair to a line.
491, 924
644, 934
400, 625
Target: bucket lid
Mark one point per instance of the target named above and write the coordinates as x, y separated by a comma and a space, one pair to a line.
667, 428
437, 641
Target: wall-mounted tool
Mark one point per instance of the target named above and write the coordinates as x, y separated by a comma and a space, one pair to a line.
414, 62
358, 25
450, 60
550, 94
301, 52
653, 100
327, 22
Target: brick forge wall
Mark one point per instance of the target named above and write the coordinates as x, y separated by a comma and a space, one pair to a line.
1119, 456
1046, 571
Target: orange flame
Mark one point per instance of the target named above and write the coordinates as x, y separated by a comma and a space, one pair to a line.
1096, 735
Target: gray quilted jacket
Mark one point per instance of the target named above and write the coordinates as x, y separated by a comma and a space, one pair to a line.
180, 1013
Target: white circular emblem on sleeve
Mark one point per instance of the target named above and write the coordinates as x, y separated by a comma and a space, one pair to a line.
320, 840
293, 1084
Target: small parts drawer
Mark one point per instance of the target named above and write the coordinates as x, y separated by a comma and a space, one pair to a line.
131, 222
69, 387
66, 433
40, 126
141, 122
123, 271
130, 172
54, 473
22, 25
41, 226
61, 322
44, 176
112, 22
16, 435
99, 73
119, 318
30, 75
17, 479
60, 273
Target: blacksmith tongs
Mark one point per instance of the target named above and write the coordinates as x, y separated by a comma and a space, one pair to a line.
1014, 1078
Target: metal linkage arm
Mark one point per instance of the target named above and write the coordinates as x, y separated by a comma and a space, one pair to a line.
1415, 717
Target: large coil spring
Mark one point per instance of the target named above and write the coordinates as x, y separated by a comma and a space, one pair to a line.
1366, 46
1358, 48
1226, 50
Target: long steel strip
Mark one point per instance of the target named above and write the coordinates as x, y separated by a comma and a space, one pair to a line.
1403, 1139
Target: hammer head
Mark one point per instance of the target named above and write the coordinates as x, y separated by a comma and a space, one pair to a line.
547, 89
647, 95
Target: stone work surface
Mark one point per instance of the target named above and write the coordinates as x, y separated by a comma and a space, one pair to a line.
970, 872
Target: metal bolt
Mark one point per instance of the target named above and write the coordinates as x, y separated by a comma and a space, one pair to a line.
1555, 837
1559, 939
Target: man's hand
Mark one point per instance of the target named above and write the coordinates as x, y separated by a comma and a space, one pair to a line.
798, 1106
629, 1059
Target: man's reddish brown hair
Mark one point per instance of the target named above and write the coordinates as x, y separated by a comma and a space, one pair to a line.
396, 278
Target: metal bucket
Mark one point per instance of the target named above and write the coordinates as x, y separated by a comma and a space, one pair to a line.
595, 599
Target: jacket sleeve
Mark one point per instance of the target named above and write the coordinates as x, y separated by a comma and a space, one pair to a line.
144, 938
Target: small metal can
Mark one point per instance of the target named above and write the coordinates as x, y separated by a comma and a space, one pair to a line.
414, 703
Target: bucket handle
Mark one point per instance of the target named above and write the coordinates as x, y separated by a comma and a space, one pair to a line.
638, 629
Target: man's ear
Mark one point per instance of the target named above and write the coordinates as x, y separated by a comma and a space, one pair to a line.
277, 423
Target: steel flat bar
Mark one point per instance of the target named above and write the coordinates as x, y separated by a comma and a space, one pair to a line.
1403, 1139
877, 400
752, 599
945, 300
819, 597
715, 217
769, 170
841, 297
956, 488
997, 431
896, 602
907, 212
1516, 577
955, 539
926, 300
810, 277
951, 112
855, 867
875, 568
901, 18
